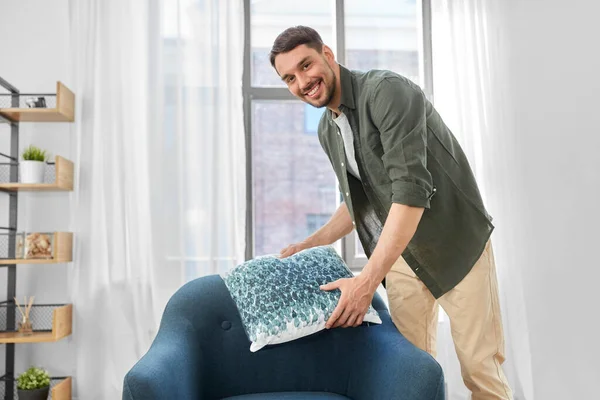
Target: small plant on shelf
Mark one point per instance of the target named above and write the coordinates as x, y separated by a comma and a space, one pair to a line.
33, 153
32, 166
33, 384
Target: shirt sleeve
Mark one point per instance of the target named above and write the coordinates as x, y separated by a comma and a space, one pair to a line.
398, 111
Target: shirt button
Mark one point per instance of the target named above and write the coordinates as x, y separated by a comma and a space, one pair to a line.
353, 223
342, 164
347, 194
339, 134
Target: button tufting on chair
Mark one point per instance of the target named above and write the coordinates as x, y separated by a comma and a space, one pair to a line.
226, 325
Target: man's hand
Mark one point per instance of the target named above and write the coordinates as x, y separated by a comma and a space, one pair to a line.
294, 248
357, 295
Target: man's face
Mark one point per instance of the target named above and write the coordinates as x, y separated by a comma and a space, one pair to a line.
308, 74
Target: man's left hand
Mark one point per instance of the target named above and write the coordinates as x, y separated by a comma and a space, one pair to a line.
357, 295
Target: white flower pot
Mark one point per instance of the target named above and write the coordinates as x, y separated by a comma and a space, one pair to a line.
32, 171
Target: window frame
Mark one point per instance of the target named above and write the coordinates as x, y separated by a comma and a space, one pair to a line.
253, 93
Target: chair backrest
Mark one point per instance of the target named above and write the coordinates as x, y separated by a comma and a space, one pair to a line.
324, 361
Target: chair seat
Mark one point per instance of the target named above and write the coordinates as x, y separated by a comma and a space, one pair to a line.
289, 396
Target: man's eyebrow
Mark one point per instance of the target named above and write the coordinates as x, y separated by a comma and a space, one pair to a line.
285, 76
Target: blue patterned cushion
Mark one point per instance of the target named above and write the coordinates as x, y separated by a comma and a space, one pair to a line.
279, 300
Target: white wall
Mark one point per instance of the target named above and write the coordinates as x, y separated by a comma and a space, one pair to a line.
555, 87
34, 54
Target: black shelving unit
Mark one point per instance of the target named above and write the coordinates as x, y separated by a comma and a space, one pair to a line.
11, 287
54, 110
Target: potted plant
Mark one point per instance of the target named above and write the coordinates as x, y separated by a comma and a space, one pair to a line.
32, 166
33, 384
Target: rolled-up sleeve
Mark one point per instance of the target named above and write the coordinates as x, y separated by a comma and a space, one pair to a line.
398, 111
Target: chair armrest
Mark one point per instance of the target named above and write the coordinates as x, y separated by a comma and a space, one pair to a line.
171, 369
392, 368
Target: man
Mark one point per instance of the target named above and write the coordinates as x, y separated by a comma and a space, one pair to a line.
411, 195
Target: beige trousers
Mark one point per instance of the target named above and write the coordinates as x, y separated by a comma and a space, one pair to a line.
475, 321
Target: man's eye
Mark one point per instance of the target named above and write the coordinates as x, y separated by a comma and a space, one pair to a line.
290, 79
306, 66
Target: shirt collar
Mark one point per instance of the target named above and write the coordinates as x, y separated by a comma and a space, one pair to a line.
346, 84
347, 98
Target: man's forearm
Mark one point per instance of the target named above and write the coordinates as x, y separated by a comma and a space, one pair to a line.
338, 226
400, 226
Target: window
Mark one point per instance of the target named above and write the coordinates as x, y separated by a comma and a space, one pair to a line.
268, 18
315, 221
293, 179
293, 186
312, 116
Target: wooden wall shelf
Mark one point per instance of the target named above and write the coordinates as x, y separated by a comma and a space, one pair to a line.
64, 111
62, 390
60, 387
62, 250
63, 180
62, 321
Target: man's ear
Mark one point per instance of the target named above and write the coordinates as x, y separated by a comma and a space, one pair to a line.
328, 54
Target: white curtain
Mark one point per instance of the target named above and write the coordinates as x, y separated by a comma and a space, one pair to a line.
471, 73
160, 169
200, 147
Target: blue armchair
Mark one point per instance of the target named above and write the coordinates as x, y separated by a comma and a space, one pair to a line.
202, 352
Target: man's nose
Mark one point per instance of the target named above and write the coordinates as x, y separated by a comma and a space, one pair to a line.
303, 82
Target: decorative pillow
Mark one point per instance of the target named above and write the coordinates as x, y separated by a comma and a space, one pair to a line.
279, 299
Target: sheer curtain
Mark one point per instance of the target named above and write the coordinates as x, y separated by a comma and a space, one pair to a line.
198, 143
470, 75
160, 170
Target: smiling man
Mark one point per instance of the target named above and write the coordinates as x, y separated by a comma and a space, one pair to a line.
410, 193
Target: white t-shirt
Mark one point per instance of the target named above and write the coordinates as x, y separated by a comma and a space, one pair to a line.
346, 133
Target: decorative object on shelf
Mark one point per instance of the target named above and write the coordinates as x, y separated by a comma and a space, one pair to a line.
33, 384
33, 164
25, 326
20, 245
36, 102
38, 246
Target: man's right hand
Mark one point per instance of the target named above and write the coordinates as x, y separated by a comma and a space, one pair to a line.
294, 248
338, 226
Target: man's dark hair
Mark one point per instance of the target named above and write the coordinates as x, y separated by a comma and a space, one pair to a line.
293, 37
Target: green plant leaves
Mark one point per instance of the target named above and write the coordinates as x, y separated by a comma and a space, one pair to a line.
33, 378
33, 153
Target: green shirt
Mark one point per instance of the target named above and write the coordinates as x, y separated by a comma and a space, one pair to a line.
407, 155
